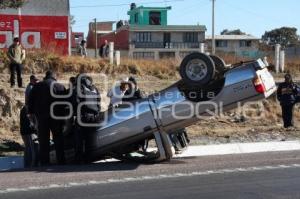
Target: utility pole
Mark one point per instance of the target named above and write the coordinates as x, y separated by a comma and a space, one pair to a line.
96, 38
213, 45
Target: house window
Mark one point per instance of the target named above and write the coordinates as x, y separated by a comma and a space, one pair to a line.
143, 37
245, 43
136, 18
190, 37
155, 18
221, 44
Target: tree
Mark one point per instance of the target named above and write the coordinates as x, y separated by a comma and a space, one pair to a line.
11, 3
232, 32
285, 36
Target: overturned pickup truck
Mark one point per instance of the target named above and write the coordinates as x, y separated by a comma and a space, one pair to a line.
207, 86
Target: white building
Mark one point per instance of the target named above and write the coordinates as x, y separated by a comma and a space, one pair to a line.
238, 44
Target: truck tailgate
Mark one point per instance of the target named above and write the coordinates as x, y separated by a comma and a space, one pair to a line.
268, 81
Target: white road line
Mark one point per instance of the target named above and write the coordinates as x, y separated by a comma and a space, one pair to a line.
147, 178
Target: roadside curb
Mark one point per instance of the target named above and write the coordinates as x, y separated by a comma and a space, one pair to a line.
240, 148
16, 162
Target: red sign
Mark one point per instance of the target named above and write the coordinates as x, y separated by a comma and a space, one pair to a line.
36, 32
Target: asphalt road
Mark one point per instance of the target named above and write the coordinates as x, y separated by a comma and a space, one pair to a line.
261, 175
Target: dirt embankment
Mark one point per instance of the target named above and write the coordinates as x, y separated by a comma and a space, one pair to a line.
10, 105
258, 122
152, 76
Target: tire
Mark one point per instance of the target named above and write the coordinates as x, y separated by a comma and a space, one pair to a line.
197, 69
219, 63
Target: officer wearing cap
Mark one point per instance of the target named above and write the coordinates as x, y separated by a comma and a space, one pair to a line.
16, 55
133, 93
287, 94
32, 82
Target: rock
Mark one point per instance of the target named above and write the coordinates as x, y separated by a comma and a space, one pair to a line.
263, 137
222, 140
204, 140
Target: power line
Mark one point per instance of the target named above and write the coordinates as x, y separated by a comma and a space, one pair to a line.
253, 13
124, 4
213, 46
184, 10
96, 37
187, 10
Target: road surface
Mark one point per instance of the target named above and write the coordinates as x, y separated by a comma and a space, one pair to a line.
258, 175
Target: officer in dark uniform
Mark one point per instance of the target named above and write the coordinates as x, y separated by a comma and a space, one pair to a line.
29, 137
133, 93
287, 94
39, 104
28, 130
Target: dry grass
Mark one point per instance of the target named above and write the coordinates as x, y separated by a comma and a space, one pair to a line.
293, 65
231, 58
42, 60
162, 69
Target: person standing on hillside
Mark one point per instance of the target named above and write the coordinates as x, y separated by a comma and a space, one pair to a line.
104, 49
287, 94
16, 55
82, 49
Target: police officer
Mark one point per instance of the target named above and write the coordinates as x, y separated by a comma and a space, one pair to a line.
29, 137
87, 112
40, 99
133, 93
287, 93
33, 80
28, 130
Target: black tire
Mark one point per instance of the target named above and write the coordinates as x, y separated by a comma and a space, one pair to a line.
219, 63
197, 74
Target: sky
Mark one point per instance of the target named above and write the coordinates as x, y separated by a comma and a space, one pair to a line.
251, 16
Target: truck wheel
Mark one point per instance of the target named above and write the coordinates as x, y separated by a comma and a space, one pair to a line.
197, 69
219, 63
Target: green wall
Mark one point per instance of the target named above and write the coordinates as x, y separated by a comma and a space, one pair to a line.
143, 15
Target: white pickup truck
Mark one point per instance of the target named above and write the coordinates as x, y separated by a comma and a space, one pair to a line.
207, 85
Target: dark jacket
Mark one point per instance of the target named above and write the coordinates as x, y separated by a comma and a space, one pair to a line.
27, 92
25, 126
287, 93
128, 96
40, 98
104, 50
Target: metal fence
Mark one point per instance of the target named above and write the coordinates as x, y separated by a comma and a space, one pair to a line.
292, 52
171, 45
